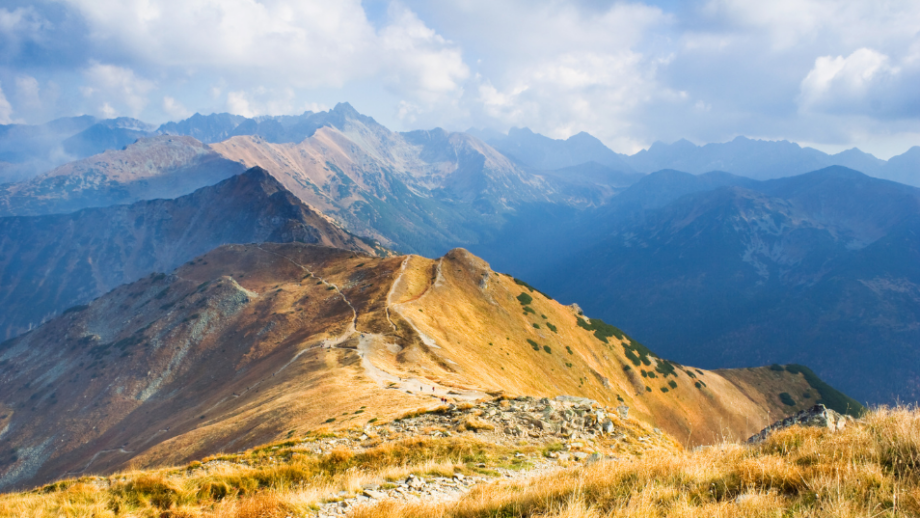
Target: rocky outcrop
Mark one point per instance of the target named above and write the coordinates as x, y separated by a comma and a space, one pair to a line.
525, 417
818, 415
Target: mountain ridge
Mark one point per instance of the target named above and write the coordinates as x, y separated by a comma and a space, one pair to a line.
246, 342
50, 263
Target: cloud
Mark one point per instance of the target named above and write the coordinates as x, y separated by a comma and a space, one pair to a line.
421, 62
307, 44
175, 109
120, 89
866, 82
27, 90
560, 69
628, 71
6, 110
18, 26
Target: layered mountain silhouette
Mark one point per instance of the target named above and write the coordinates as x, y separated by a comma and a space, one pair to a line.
821, 269
246, 342
758, 159
156, 167
543, 153
51, 263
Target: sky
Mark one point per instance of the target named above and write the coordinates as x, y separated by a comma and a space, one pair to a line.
828, 74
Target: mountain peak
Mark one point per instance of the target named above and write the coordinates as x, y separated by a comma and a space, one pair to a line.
345, 109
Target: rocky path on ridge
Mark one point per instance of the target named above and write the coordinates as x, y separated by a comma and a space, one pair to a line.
548, 434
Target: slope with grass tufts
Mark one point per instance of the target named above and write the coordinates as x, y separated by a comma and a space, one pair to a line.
248, 342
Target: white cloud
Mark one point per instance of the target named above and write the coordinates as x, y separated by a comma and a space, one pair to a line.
262, 101
27, 90
866, 82
238, 104
107, 111
19, 25
835, 79
559, 69
175, 109
6, 110
421, 62
117, 86
308, 43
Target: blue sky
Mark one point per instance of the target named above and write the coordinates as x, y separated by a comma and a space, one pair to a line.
829, 74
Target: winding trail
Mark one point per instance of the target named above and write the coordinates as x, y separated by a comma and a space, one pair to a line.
369, 342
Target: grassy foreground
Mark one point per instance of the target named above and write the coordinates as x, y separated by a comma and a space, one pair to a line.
869, 469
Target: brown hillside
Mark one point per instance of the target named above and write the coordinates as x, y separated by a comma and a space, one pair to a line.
249, 342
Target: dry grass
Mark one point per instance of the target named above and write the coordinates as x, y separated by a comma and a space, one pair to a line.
273, 480
870, 470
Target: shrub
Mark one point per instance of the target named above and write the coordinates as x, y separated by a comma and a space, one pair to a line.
551, 327
519, 282
648, 389
524, 299
534, 345
666, 368
569, 349
547, 349
536, 325
776, 367
528, 309
786, 399
664, 389
698, 385
672, 384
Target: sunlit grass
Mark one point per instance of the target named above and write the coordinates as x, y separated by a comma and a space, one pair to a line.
870, 469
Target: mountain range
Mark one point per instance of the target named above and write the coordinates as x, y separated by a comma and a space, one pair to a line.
757, 159
570, 214
821, 269
26, 151
51, 263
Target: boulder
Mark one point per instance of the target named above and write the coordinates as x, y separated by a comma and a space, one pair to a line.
607, 426
818, 415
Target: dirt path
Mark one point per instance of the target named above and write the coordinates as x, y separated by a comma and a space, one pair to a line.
369, 342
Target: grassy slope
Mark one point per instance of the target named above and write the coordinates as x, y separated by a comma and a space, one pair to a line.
482, 336
869, 469
202, 379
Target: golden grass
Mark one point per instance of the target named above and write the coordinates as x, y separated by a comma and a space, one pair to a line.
868, 470
273, 480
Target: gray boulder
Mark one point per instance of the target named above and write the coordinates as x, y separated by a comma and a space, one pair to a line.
818, 415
